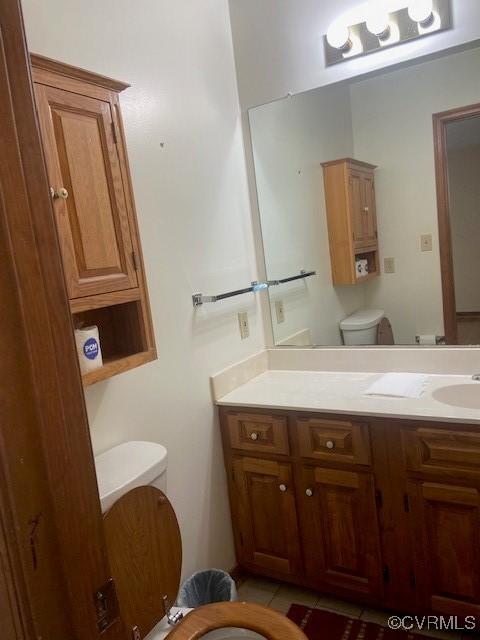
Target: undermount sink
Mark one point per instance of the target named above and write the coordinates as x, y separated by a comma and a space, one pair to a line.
460, 395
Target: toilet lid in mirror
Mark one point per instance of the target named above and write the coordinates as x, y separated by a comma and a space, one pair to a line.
385, 332
145, 552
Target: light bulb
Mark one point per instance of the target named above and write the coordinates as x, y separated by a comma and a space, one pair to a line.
338, 37
378, 21
421, 11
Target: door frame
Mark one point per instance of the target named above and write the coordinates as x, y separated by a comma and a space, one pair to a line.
53, 556
440, 122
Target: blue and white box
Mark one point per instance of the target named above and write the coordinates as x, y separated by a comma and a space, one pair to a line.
88, 349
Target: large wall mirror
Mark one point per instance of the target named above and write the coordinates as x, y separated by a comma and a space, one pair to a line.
373, 184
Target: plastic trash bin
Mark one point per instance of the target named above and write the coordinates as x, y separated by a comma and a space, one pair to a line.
206, 587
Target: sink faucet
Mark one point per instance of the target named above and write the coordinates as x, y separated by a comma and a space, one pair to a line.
476, 376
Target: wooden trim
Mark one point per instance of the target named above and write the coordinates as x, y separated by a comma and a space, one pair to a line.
119, 365
440, 122
468, 316
76, 73
49, 502
102, 300
358, 163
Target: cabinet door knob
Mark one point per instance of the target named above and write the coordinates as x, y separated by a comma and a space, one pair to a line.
61, 193
283, 488
366, 209
330, 444
254, 436
309, 493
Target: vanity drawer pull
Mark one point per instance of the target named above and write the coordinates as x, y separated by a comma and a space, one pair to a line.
254, 435
283, 488
330, 444
309, 493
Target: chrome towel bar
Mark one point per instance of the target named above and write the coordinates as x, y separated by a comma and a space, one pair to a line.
198, 298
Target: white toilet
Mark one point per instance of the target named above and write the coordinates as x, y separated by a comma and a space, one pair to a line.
361, 327
143, 538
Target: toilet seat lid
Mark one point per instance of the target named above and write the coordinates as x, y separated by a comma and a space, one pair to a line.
145, 552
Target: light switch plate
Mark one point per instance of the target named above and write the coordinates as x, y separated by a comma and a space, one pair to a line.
243, 325
426, 242
389, 265
279, 310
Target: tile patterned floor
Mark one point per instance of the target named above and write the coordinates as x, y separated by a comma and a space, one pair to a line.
280, 596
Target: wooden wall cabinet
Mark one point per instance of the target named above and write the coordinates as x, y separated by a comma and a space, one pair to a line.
351, 218
380, 512
85, 152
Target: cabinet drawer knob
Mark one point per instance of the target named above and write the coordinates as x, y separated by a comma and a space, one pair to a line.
283, 488
61, 193
309, 493
330, 444
366, 209
254, 436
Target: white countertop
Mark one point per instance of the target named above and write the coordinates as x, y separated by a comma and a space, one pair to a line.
339, 392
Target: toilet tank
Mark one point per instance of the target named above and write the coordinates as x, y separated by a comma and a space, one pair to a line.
127, 466
361, 327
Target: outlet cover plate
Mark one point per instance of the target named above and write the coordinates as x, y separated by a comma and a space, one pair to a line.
426, 242
389, 265
243, 325
280, 311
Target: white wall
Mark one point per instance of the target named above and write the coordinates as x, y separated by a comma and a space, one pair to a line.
279, 47
291, 138
392, 125
464, 192
193, 211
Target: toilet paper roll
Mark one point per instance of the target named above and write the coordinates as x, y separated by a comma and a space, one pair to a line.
361, 267
427, 339
88, 349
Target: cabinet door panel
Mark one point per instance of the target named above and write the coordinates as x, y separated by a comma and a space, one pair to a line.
356, 204
340, 530
93, 223
445, 527
369, 210
265, 515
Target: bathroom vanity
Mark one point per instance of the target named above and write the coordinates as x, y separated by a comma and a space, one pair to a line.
381, 508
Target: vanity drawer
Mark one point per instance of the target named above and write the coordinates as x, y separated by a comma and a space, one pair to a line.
438, 450
258, 432
334, 440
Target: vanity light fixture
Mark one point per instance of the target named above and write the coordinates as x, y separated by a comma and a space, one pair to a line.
382, 29
338, 37
378, 21
421, 11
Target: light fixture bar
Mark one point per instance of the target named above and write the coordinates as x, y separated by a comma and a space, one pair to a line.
381, 30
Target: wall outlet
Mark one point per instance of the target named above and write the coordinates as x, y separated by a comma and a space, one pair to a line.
243, 325
389, 265
426, 242
279, 310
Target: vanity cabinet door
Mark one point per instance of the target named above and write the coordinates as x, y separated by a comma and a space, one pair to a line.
89, 195
265, 519
340, 531
445, 526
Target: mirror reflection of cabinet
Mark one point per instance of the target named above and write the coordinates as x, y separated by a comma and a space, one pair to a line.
87, 165
351, 218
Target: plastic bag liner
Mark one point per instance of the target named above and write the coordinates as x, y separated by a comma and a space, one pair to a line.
206, 587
